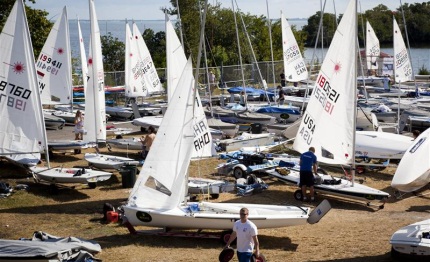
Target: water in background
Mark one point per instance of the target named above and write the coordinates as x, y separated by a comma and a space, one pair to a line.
420, 56
117, 29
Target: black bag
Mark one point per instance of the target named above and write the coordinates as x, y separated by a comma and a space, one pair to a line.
106, 208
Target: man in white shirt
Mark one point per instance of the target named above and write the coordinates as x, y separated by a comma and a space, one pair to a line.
246, 233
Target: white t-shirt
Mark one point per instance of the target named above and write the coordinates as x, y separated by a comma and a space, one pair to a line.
245, 232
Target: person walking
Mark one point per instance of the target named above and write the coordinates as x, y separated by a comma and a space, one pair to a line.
308, 166
246, 233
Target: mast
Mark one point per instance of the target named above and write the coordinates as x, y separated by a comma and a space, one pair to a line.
409, 51
269, 25
253, 54
240, 56
180, 23
355, 97
313, 57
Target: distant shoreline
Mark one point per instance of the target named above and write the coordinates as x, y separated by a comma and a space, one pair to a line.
159, 20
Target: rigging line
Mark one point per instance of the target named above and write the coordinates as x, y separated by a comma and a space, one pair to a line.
210, 51
269, 25
312, 60
240, 57
253, 58
409, 47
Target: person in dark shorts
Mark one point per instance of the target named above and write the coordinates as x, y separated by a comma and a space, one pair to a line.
308, 166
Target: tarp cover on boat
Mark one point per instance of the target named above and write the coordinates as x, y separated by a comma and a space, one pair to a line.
43, 245
250, 90
277, 110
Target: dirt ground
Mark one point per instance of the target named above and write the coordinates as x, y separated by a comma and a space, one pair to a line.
351, 231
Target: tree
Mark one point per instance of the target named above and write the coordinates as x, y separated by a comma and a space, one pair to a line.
113, 53
220, 32
328, 29
38, 24
379, 17
156, 43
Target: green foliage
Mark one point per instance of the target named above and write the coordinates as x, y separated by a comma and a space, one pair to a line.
417, 18
113, 53
156, 43
221, 40
39, 28
328, 30
38, 24
423, 71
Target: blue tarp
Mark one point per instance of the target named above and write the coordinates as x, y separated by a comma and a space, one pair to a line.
250, 90
277, 110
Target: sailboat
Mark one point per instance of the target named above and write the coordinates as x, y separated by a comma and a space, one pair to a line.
328, 123
54, 75
95, 114
295, 71
22, 133
157, 199
413, 171
412, 242
176, 61
294, 65
373, 50
402, 62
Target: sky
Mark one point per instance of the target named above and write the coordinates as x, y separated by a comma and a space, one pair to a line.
151, 9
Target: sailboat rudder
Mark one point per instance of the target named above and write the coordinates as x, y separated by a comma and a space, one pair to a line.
319, 212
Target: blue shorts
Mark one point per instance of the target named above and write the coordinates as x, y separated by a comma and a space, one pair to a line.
244, 256
306, 178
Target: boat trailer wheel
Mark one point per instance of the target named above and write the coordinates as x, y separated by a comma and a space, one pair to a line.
225, 236
238, 172
298, 194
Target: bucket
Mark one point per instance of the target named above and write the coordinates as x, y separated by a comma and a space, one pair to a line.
112, 217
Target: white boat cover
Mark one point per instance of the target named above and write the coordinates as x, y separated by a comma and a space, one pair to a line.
43, 245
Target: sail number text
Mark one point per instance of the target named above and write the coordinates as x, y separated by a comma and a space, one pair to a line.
46, 63
16, 97
325, 94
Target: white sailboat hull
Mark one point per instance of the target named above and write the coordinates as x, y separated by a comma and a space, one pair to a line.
246, 140
219, 216
69, 175
413, 171
341, 188
125, 143
148, 121
66, 144
108, 162
412, 240
208, 186
379, 145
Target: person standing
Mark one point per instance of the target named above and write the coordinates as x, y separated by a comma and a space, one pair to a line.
147, 141
246, 233
242, 99
386, 82
281, 95
79, 126
308, 166
283, 80
211, 77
